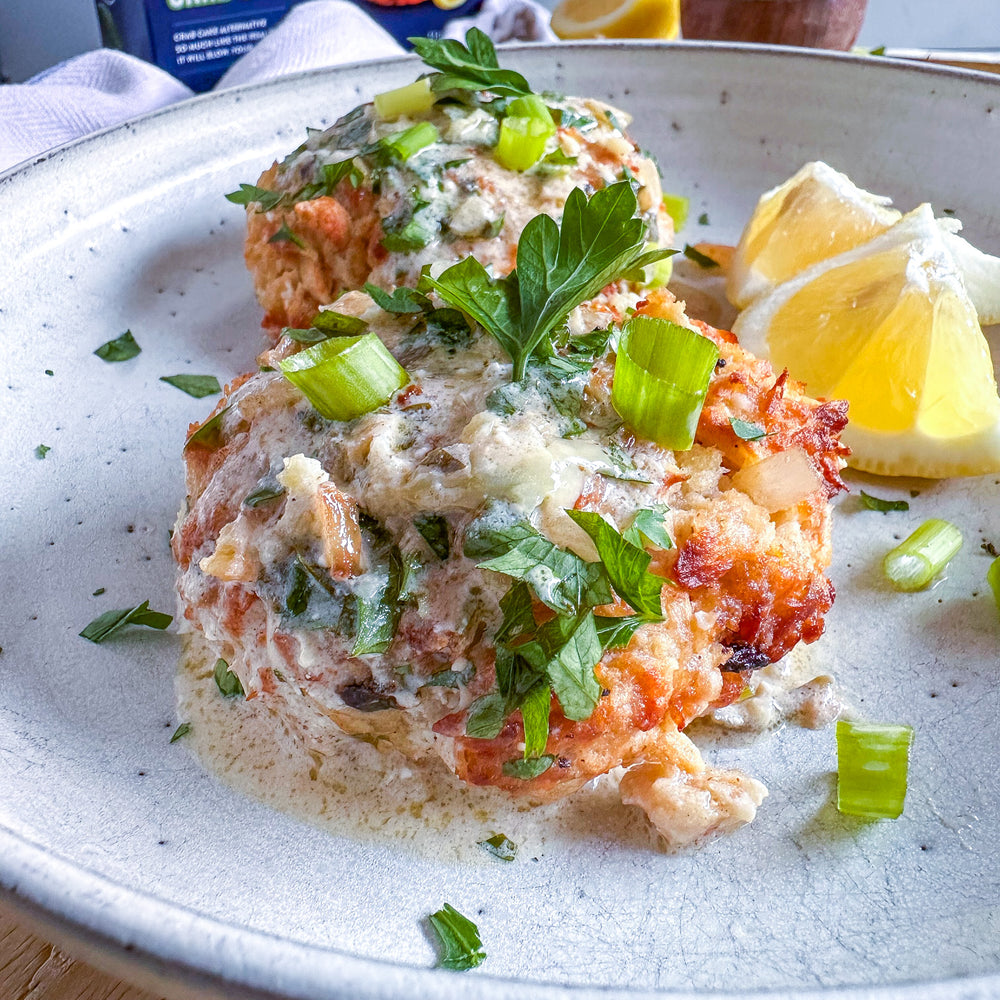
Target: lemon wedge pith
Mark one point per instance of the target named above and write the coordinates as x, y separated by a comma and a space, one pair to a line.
890, 327
577, 19
816, 214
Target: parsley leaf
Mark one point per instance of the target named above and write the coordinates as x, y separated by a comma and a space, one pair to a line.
472, 66
746, 431
182, 730
567, 650
701, 259
106, 625
263, 494
561, 579
209, 435
626, 565
518, 616
876, 503
529, 768
198, 386
120, 349
377, 613
285, 235
648, 527
487, 716
617, 632
250, 194
450, 678
459, 937
42, 450
622, 465
433, 528
402, 300
558, 267
500, 846
535, 715
226, 681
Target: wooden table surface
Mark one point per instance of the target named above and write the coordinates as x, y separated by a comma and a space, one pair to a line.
32, 969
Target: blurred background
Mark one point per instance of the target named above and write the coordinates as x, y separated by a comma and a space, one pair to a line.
37, 34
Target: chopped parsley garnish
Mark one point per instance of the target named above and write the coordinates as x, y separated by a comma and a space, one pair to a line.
876, 503
326, 324
226, 681
42, 450
701, 259
622, 466
49, 371
263, 495
106, 625
433, 528
558, 656
703, 219
745, 430
198, 386
250, 194
182, 730
120, 349
401, 301
500, 846
285, 235
334, 173
461, 947
528, 767
209, 435
472, 66
98, 592
559, 265
451, 678
648, 527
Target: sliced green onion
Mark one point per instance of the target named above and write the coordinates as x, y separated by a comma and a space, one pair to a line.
872, 762
344, 377
676, 206
993, 579
661, 378
410, 141
658, 274
524, 132
916, 561
462, 948
531, 106
413, 99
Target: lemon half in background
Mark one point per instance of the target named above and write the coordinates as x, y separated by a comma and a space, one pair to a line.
576, 19
890, 327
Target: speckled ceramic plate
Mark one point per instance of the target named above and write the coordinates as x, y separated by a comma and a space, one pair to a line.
123, 843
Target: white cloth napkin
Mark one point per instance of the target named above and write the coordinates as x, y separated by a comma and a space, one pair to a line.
99, 89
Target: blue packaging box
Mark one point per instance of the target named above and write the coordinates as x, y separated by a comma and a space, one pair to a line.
196, 40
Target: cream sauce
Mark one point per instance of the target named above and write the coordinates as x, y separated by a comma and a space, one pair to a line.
356, 791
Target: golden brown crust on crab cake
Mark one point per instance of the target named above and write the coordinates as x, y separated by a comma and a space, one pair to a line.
741, 584
319, 242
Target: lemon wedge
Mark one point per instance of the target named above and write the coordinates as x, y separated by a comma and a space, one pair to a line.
616, 19
814, 215
890, 327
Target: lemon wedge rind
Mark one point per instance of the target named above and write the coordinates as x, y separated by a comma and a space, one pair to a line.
921, 455
980, 274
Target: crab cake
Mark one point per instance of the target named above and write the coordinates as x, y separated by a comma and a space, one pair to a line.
434, 575
364, 201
